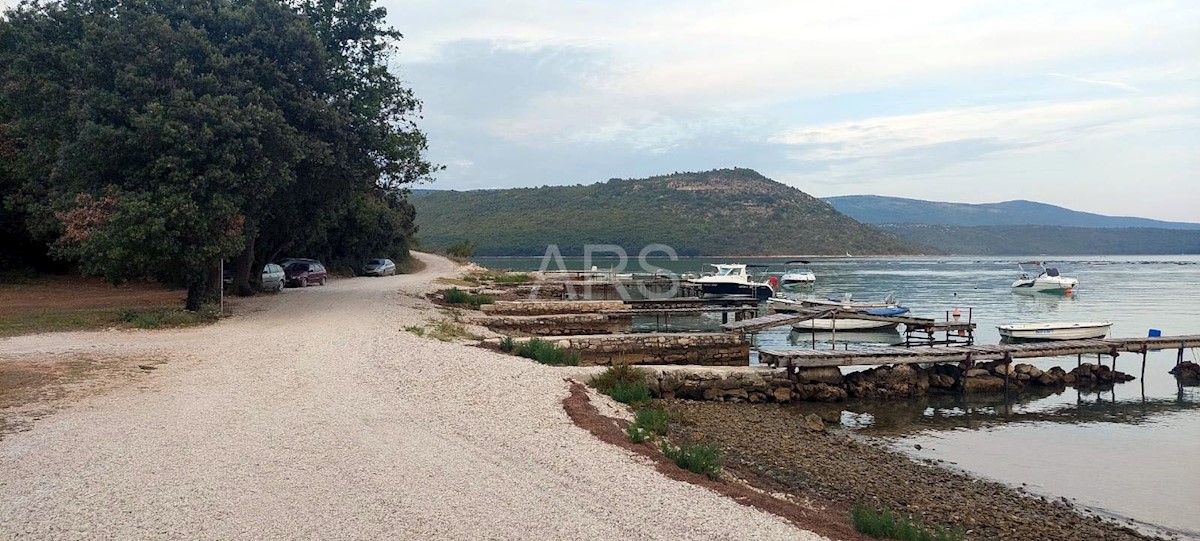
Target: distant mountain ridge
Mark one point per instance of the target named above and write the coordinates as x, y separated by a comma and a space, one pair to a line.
877, 209
724, 212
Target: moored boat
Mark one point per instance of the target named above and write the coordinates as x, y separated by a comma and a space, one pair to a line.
734, 279
844, 324
797, 277
1055, 331
1048, 281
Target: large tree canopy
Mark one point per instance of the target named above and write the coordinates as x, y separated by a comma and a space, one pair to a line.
154, 138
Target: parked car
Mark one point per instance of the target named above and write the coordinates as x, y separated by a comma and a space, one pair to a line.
379, 267
273, 276
301, 273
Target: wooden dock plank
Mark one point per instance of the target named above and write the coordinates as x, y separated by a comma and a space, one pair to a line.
776, 320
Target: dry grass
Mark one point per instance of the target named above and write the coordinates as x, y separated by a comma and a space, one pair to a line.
69, 303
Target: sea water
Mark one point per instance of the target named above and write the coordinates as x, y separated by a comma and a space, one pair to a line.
1127, 452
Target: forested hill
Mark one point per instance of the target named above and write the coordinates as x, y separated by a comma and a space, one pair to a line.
877, 209
721, 212
1050, 239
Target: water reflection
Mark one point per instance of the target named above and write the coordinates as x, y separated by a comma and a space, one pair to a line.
943, 411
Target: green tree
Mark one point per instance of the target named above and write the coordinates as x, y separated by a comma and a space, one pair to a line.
155, 138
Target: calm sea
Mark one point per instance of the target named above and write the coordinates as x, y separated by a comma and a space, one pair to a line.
1127, 452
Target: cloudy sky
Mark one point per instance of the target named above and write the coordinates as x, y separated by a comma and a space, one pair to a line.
1092, 105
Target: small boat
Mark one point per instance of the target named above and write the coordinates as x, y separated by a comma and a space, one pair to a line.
847, 302
844, 325
1048, 281
1055, 331
797, 276
735, 279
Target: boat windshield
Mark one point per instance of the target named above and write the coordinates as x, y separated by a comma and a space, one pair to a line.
1051, 271
724, 271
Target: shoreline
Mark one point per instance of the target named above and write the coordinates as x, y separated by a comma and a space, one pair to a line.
844, 468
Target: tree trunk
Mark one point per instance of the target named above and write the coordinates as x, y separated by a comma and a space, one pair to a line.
245, 281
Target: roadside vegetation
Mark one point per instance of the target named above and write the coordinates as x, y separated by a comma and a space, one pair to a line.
887, 525
624, 383
698, 457
542, 351
457, 297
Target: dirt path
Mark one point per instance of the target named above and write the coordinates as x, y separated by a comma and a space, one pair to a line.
315, 416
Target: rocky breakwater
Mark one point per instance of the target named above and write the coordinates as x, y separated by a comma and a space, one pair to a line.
828, 384
557, 324
546, 307
702, 349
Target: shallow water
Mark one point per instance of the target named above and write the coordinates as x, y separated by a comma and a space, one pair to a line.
1128, 452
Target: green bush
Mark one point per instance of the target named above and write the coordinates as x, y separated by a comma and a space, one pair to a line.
630, 393
506, 344
637, 434
887, 525
455, 295
547, 352
519, 278
654, 420
617, 373
703, 457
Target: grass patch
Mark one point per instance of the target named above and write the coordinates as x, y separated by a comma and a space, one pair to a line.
416, 329
457, 296
165, 317
448, 331
545, 352
703, 457
887, 525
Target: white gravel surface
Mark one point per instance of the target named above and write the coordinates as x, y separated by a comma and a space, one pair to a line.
315, 416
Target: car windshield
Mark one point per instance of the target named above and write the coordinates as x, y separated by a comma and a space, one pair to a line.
294, 267
375, 262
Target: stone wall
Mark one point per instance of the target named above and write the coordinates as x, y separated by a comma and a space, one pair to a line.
547, 307
828, 384
557, 324
702, 349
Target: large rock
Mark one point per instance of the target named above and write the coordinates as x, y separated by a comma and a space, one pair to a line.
813, 422
782, 394
983, 384
978, 372
888, 382
1187, 372
831, 375
941, 381
820, 392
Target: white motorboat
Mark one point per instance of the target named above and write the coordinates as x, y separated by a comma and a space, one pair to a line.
1055, 331
1048, 281
734, 279
844, 325
797, 276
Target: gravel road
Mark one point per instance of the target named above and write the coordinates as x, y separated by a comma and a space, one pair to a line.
313, 415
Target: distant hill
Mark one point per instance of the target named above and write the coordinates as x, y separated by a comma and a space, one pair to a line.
876, 209
1050, 240
721, 212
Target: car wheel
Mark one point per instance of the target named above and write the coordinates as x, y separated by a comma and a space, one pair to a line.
304, 282
279, 288
322, 282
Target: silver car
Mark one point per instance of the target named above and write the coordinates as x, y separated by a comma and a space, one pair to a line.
273, 277
379, 267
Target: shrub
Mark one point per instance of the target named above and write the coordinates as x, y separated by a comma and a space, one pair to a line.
701, 457
547, 352
637, 434
654, 420
630, 393
886, 525
449, 330
416, 329
617, 373
455, 295
506, 344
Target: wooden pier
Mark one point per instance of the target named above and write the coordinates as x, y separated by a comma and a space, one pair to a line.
971, 354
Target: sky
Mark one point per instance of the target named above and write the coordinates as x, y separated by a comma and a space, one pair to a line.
1092, 105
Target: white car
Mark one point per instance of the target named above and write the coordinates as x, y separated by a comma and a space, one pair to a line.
379, 267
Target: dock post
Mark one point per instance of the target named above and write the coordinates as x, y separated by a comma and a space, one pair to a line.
833, 331
1078, 360
724, 317
1143, 368
1179, 358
